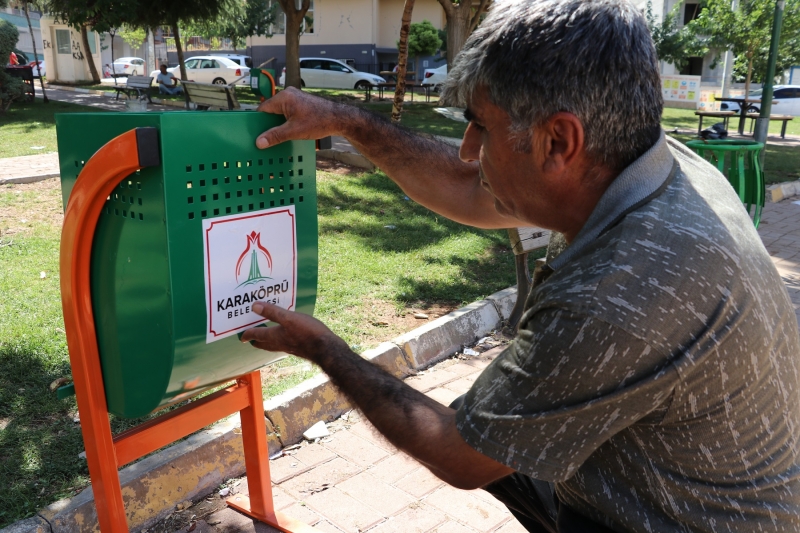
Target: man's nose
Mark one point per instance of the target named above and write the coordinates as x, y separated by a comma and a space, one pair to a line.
470, 144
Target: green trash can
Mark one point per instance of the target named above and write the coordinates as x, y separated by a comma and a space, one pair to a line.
182, 250
738, 160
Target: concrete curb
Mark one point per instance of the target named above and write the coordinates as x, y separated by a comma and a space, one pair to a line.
782, 191
194, 467
348, 158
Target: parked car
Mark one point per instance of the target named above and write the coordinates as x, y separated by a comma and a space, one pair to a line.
39, 68
331, 74
243, 61
128, 66
785, 101
435, 76
212, 69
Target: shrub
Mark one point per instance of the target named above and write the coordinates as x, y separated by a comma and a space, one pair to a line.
10, 88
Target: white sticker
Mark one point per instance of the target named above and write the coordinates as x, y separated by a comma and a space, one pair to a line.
254, 82
248, 257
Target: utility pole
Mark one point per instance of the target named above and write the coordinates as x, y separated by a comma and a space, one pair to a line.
762, 123
727, 71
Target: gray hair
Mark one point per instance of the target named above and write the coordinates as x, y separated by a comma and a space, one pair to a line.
592, 58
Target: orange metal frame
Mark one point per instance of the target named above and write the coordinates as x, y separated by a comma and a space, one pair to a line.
105, 453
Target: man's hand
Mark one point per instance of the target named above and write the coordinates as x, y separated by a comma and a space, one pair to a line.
296, 333
307, 117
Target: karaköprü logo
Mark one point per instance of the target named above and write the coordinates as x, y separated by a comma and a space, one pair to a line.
259, 256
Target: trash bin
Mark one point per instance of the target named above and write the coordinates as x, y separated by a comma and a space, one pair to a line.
182, 249
738, 160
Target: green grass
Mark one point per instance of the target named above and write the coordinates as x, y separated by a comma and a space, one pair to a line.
30, 128
369, 276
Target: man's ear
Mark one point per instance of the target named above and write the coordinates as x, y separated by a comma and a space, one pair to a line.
563, 142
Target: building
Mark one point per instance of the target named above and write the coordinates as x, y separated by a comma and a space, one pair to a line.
362, 33
64, 54
25, 43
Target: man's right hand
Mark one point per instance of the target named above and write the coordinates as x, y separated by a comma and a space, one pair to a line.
307, 117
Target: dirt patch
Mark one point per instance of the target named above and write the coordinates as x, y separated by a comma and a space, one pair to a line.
335, 167
384, 321
26, 204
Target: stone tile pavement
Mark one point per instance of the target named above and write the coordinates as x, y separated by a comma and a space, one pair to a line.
355, 481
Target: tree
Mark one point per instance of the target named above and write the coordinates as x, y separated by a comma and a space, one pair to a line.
462, 18
673, 44
402, 62
788, 51
100, 15
238, 20
154, 13
423, 40
295, 11
35, 55
744, 30
135, 37
10, 88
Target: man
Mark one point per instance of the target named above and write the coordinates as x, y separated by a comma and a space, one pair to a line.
12, 59
167, 82
653, 385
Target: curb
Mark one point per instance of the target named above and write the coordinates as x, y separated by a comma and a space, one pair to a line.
348, 158
196, 466
782, 191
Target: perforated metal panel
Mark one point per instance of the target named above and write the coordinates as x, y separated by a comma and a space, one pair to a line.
147, 259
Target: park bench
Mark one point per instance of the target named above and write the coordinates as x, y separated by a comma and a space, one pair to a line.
138, 85
210, 95
784, 118
524, 241
381, 87
724, 115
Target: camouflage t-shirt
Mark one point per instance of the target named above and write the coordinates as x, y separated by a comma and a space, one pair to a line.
655, 375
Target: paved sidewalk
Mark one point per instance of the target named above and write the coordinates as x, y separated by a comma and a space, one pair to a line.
29, 168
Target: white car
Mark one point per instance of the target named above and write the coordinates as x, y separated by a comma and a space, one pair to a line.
244, 61
128, 66
331, 74
435, 76
785, 101
212, 69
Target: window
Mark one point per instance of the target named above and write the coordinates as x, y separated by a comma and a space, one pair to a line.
784, 93
90, 36
192, 63
691, 12
694, 67
337, 67
311, 63
63, 42
208, 63
279, 28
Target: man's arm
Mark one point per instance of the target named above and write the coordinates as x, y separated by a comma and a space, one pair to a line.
414, 423
429, 171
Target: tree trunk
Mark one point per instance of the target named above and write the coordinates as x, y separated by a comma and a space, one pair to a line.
36, 59
179, 50
461, 20
294, 21
747, 82
402, 59
88, 55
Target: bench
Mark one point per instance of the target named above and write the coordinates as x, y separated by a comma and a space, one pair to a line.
410, 86
209, 95
785, 118
524, 241
724, 115
139, 85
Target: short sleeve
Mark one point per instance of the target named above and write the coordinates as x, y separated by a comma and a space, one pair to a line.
564, 387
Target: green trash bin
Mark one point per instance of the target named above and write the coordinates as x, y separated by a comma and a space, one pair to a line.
738, 161
182, 250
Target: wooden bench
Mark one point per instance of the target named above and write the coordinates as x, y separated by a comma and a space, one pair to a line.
724, 115
523, 242
209, 95
140, 85
784, 118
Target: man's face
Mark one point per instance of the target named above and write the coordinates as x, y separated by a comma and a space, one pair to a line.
509, 175
163, 69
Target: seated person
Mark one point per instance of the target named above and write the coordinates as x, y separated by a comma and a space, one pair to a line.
167, 82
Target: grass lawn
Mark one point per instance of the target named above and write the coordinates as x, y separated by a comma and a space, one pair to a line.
685, 119
30, 128
372, 280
